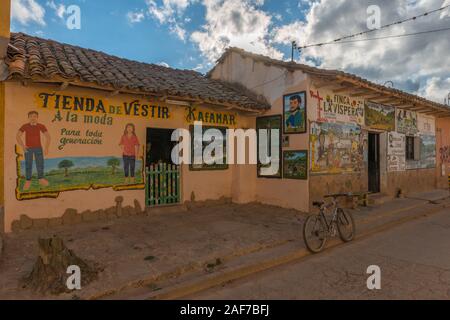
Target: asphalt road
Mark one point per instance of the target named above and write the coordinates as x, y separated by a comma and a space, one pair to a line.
414, 260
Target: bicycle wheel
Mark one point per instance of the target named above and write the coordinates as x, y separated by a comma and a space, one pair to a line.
314, 233
346, 225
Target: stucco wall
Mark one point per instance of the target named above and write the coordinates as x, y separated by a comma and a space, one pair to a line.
273, 83
443, 152
21, 99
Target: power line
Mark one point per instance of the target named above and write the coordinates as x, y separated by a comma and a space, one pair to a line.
373, 30
388, 37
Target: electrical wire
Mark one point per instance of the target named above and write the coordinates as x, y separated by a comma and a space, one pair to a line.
374, 30
388, 37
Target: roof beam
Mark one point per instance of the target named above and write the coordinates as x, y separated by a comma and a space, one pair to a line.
361, 94
114, 93
318, 84
343, 89
64, 86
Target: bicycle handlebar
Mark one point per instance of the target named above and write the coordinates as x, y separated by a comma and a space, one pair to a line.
337, 195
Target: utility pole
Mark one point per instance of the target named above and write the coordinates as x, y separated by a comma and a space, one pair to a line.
294, 46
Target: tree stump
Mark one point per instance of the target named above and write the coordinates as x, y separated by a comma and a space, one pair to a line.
49, 274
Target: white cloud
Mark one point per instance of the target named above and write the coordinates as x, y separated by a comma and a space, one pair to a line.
436, 88
169, 9
164, 64
239, 23
178, 31
135, 17
26, 11
59, 8
416, 64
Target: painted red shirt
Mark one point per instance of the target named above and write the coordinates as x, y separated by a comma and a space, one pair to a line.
33, 134
129, 145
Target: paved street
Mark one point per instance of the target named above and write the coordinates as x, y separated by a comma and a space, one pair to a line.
414, 259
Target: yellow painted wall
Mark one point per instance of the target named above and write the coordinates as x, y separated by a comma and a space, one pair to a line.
5, 13
22, 99
2, 124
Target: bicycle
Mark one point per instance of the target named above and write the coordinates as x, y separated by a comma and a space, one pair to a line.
341, 222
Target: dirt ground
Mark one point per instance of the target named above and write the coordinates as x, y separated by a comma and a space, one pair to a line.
153, 248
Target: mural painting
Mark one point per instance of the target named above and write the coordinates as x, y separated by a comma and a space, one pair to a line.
426, 124
336, 148
406, 122
335, 108
396, 152
269, 123
61, 145
295, 165
380, 117
444, 154
294, 113
427, 153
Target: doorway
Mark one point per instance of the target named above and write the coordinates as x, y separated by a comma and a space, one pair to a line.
374, 163
163, 177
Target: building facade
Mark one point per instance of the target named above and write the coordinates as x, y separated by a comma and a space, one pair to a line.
88, 136
359, 136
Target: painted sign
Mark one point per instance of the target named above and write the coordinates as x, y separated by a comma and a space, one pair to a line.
295, 165
426, 124
294, 113
69, 142
336, 148
94, 110
379, 117
336, 108
396, 152
406, 122
194, 114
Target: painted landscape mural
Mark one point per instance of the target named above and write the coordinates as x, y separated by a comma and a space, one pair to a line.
380, 117
336, 148
78, 173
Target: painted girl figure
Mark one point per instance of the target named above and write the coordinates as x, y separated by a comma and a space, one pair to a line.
130, 149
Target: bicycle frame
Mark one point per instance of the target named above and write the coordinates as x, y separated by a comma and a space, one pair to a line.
334, 205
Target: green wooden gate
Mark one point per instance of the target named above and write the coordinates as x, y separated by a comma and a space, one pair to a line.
163, 185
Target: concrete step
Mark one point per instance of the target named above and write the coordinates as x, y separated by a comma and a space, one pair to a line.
377, 199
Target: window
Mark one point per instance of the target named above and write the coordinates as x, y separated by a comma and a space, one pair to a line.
269, 123
204, 144
409, 148
413, 148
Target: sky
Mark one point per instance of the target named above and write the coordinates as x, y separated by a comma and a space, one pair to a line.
192, 34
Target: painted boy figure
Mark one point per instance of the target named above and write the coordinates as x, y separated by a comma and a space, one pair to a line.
294, 120
33, 149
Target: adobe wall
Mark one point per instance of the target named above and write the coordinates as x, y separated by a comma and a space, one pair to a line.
443, 152
89, 195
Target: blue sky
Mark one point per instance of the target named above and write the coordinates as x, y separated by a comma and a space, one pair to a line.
106, 25
192, 34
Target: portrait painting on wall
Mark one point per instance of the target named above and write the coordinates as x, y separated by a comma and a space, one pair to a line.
294, 113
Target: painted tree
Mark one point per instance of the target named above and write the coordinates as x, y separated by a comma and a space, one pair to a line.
66, 165
113, 163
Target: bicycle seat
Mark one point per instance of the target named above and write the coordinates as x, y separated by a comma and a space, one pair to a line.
318, 204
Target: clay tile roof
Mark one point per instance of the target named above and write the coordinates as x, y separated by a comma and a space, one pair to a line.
338, 75
40, 59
